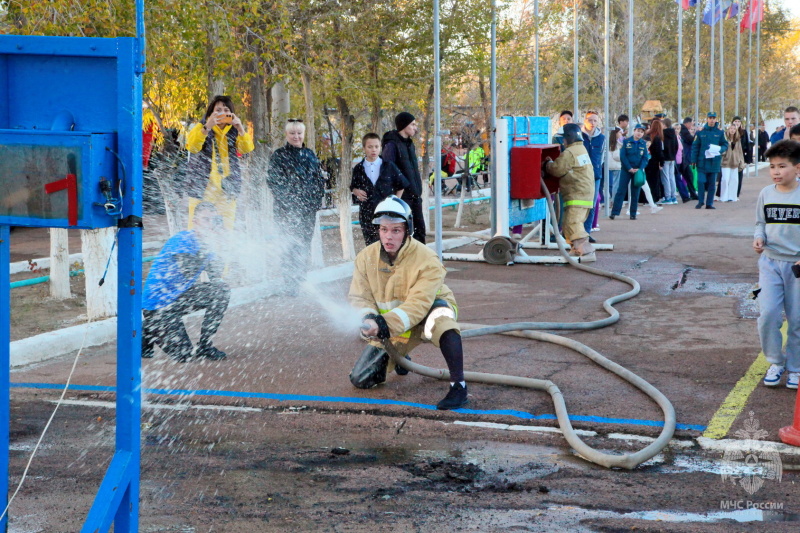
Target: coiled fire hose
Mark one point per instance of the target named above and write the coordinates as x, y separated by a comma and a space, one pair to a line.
528, 330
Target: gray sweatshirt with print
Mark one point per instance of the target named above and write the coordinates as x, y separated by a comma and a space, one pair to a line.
778, 223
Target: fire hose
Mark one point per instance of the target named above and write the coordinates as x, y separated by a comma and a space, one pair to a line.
530, 330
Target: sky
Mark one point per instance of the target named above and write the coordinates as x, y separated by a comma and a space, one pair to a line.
792, 5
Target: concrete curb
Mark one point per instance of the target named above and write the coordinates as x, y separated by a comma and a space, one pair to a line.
52, 344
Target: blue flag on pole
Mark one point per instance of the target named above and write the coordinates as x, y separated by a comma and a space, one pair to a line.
717, 9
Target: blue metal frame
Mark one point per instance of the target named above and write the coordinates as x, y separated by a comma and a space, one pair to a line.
94, 160
117, 500
523, 131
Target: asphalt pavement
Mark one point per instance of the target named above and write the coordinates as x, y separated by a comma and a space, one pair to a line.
691, 332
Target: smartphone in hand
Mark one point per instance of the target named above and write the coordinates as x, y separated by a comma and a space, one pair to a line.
796, 270
224, 118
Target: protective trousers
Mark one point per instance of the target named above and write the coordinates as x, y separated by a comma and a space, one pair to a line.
573, 223
165, 326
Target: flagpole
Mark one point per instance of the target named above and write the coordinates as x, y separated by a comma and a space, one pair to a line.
606, 56
630, 70
758, 77
575, 61
738, 60
721, 67
749, 93
493, 118
680, 61
698, 13
711, 80
437, 136
536, 60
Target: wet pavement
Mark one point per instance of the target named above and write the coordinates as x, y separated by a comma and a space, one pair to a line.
276, 439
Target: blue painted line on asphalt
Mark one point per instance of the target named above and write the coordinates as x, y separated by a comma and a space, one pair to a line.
349, 399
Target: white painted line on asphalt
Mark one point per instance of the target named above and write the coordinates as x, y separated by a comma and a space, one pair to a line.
235, 408
675, 443
486, 425
723, 445
161, 406
536, 429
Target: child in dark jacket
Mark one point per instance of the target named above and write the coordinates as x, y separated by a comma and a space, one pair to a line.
374, 180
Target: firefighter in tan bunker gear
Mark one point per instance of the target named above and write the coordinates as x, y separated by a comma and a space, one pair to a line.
398, 284
576, 182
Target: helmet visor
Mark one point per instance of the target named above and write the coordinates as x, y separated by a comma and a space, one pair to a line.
386, 218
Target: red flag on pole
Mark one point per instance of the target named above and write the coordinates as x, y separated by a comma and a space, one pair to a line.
752, 15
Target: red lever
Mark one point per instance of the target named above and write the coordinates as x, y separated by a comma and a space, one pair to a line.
70, 183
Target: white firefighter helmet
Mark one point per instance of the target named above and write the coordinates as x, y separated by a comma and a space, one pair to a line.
394, 210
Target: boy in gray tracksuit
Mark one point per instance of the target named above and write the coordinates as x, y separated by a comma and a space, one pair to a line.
777, 239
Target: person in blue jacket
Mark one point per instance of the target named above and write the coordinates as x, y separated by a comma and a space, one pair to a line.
173, 290
633, 156
595, 143
708, 167
791, 116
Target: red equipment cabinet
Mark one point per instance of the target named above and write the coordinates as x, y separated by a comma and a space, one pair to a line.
527, 170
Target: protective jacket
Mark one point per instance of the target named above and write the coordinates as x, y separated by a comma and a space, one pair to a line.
705, 138
400, 151
217, 159
634, 154
403, 290
574, 169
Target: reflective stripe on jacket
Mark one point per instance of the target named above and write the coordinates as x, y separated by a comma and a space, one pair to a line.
403, 292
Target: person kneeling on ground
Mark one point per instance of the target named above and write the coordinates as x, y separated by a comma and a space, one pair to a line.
172, 291
398, 283
576, 174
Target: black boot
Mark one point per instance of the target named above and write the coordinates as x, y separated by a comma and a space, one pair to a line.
455, 399
210, 352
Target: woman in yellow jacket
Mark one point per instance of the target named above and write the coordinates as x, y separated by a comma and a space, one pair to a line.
215, 174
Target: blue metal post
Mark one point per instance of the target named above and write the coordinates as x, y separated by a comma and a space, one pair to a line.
117, 499
5, 363
129, 306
